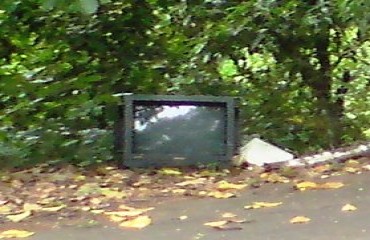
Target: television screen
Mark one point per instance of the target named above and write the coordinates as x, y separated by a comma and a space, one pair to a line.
178, 130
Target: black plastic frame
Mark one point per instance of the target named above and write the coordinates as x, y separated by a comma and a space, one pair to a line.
125, 136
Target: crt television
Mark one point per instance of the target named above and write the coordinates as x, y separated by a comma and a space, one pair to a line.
172, 130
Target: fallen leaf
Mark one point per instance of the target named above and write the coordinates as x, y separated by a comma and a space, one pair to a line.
132, 213
224, 185
129, 213
216, 223
137, 223
221, 195
299, 219
5, 209
227, 228
183, 217
322, 168
351, 169
311, 185
366, 167
196, 181
256, 205
178, 191
237, 220
348, 207
228, 215
109, 193
13, 233
19, 217
53, 209
116, 219
274, 178
331, 185
170, 171
31, 207
306, 185
97, 211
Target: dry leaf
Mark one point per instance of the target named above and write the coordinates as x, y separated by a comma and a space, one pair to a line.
306, 185
322, 168
133, 212
220, 195
366, 167
178, 191
5, 209
19, 217
216, 223
53, 209
226, 228
224, 185
196, 181
274, 178
109, 193
256, 205
137, 223
300, 219
331, 185
228, 215
31, 207
348, 207
351, 169
116, 219
183, 217
170, 171
13, 233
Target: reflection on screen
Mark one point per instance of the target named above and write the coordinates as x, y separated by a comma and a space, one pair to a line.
184, 130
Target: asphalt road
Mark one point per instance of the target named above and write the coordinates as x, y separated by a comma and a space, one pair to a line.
328, 222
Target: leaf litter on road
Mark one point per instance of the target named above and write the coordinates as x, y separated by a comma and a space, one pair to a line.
14, 233
257, 205
299, 219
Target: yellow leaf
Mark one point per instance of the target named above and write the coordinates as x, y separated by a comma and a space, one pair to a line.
311, 185
351, 169
19, 217
322, 168
53, 209
132, 213
331, 185
13, 233
170, 171
196, 181
178, 191
300, 219
97, 211
348, 207
224, 185
256, 205
116, 219
306, 185
109, 193
129, 213
79, 178
274, 178
221, 195
137, 223
216, 223
31, 207
228, 215
5, 209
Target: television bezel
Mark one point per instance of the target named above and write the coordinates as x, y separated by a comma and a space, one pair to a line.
133, 160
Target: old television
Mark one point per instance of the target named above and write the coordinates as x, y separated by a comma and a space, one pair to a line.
172, 130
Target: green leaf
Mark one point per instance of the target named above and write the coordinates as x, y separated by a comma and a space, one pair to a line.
89, 6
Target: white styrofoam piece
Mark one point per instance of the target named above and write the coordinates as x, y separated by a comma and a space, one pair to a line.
259, 152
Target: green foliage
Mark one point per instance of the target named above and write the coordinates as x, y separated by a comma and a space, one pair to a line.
299, 68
